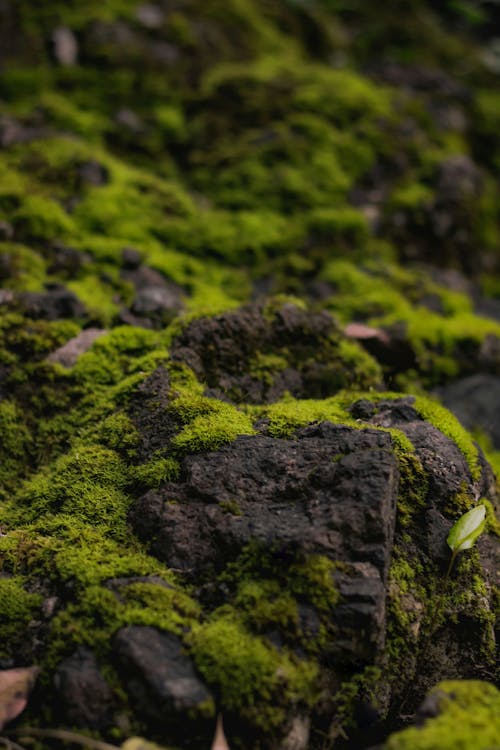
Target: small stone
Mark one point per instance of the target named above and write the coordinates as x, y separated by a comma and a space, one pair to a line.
84, 697
159, 677
6, 231
54, 304
151, 16
131, 258
65, 46
68, 354
93, 173
129, 120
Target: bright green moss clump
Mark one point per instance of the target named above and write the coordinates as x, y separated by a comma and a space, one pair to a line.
211, 424
468, 720
17, 608
251, 676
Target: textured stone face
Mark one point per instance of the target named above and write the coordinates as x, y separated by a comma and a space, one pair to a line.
332, 491
158, 675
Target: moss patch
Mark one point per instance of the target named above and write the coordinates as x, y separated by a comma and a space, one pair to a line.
468, 719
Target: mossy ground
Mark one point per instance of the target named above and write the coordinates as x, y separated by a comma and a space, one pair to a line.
270, 156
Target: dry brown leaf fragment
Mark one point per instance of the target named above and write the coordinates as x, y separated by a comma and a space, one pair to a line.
219, 742
15, 687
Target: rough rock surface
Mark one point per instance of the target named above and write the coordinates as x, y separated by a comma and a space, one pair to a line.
239, 244
158, 676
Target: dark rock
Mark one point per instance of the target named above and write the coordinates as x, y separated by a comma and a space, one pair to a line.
13, 131
150, 16
84, 698
142, 277
228, 353
360, 616
6, 231
389, 345
54, 304
66, 261
159, 677
458, 179
476, 402
148, 411
65, 46
420, 78
7, 297
292, 499
129, 121
444, 463
158, 303
488, 358
131, 259
68, 354
438, 528
157, 300
92, 173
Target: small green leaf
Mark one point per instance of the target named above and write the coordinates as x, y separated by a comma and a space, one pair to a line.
467, 529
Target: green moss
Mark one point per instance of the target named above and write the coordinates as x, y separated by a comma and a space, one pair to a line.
119, 433
16, 443
208, 424
251, 676
17, 609
468, 720
155, 472
42, 219
27, 270
287, 415
88, 482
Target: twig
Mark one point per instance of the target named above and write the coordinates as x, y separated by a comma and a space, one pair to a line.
10, 744
65, 736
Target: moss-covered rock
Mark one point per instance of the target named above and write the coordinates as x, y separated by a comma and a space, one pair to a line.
221, 318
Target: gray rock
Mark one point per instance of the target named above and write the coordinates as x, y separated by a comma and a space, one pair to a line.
159, 677
84, 697
476, 402
68, 354
54, 304
65, 46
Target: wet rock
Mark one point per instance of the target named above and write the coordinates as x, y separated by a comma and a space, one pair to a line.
65, 46
68, 354
84, 698
475, 400
54, 304
159, 677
